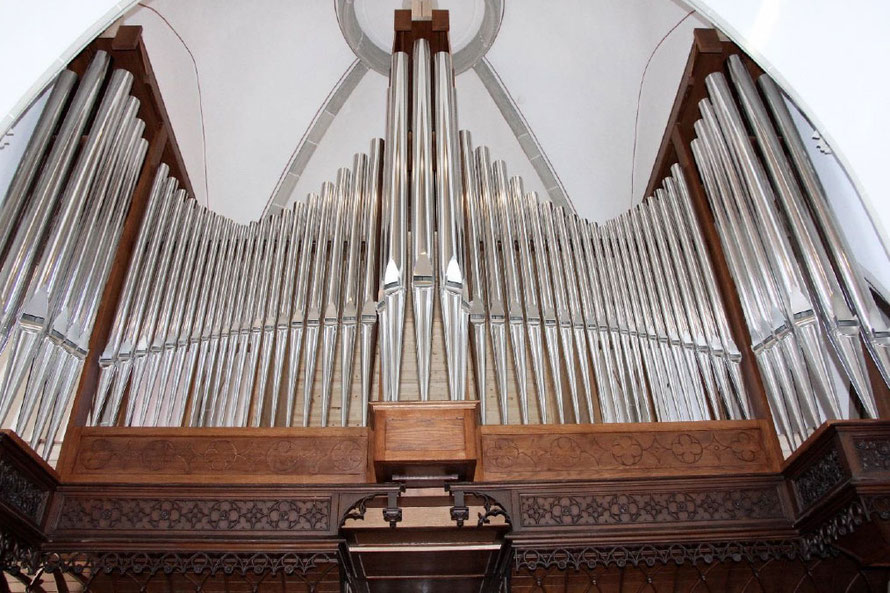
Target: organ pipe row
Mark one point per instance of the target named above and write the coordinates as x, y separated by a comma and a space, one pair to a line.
59, 227
805, 301
217, 320
229, 325
260, 324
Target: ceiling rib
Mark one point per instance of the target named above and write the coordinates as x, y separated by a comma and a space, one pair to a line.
314, 133
524, 135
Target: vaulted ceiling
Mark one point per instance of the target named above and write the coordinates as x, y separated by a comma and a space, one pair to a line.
269, 98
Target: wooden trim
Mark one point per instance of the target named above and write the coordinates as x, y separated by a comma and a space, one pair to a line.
617, 451
216, 456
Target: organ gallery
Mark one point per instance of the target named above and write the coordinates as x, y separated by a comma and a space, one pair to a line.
431, 373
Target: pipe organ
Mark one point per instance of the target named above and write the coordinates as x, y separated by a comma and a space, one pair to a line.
590, 404
303, 317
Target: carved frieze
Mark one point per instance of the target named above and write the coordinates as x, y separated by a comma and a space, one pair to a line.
216, 514
650, 555
21, 493
310, 458
609, 453
874, 454
539, 510
819, 479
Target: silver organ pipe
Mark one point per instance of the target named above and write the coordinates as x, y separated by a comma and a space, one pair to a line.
423, 279
530, 297
352, 283
512, 280
548, 308
62, 218
474, 256
575, 313
497, 312
563, 316
316, 296
331, 321
301, 289
233, 325
370, 275
394, 229
449, 194
872, 327
805, 303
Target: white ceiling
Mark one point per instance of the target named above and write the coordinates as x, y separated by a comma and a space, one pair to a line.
574, 69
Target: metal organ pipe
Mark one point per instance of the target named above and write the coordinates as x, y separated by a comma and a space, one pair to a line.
226, 324
423, 277
449, 195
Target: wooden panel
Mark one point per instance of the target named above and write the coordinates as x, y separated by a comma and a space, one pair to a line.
602, 451
439, 437
208, 455
403, 434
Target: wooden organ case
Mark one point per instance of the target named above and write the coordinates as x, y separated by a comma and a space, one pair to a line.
465, 480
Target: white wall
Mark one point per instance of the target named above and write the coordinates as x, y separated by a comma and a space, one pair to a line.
574, 70
358, 122
265, 68
178, 82
478, 113
660, 83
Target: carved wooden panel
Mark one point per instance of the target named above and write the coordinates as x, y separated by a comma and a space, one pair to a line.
616, 450
305, 456
873, 454
819, 478
223, 514
21, 493
614, 508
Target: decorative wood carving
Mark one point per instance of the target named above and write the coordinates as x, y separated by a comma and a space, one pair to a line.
680, 570
603, 451
196, 515
221, 456
648, 555
20, 492
819, 479
300, 562
656, 507
873, 454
